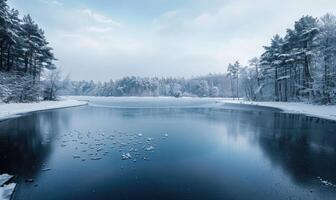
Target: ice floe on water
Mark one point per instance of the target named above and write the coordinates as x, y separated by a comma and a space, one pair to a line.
126, 156
46, 169
6, 190
94, 145
150, 148
96, 158
326, 183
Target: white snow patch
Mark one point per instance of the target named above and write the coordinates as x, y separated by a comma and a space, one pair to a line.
4, 178
126, 156
150, 148
12, 110
7, 191
321, 111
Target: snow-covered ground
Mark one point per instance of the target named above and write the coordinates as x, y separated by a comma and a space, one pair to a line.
16, 109
6, 190
322, 111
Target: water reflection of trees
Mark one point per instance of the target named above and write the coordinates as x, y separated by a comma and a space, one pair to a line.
304, 147
26, 142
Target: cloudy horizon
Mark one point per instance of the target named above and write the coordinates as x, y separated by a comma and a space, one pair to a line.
111, 39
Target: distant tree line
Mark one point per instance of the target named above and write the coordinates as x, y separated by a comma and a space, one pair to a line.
24, 55
214, 85
301, 66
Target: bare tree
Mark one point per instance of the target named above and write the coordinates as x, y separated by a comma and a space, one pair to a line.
52, 84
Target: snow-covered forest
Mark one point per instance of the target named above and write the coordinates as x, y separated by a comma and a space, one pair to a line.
300, 66
27, 65
211, 85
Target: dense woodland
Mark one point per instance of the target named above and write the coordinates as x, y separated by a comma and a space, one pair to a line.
213, 85
26, 60
301, 66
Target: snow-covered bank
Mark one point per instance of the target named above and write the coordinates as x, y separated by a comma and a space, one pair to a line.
321, 111
15, 109
6, 190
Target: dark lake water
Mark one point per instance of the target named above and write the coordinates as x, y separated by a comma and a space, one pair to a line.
159, 149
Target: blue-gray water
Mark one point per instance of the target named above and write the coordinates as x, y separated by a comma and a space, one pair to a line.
202, 150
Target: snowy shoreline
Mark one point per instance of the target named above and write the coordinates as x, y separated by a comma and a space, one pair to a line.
321, 111
12, 110
8, 111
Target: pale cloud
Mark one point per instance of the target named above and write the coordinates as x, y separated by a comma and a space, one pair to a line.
53, 2
183, 40
96, 29
100, 18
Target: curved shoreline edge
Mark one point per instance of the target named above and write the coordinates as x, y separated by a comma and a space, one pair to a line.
9, 111
14, 110
327, 112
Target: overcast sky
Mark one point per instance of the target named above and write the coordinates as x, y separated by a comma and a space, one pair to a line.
103, 39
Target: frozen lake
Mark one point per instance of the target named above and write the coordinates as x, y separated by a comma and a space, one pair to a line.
148, 148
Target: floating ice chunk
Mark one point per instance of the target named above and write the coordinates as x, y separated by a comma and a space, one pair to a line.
126, 156
166, 135
96, 158
7, 191
326, 183
146, 158
30, 180
140, 135
46, 169
5, 178
149, 139
150, 148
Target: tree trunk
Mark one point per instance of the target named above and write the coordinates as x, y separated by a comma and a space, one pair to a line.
232, 93
276, 92
237, 87
1, 54
8, 58
26, 62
